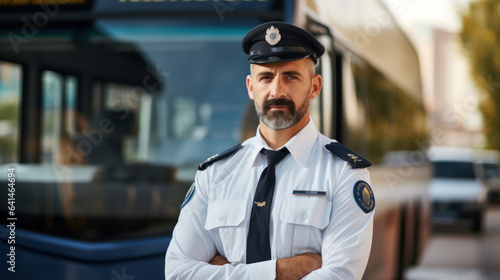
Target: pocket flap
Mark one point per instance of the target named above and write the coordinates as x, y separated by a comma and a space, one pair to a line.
225, 214
306, 210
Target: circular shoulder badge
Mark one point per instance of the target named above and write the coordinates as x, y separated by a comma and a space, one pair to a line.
189, 195
363, 195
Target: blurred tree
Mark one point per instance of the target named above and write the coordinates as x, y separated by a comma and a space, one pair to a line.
9, 112
480, 36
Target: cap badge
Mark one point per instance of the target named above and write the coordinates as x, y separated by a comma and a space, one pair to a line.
273, 35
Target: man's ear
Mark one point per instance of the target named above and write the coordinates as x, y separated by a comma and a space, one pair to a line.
317, 82
250, 87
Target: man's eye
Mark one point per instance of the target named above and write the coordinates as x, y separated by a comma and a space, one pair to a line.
265, 78
292, 77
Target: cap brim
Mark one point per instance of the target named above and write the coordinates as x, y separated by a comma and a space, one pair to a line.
276, 59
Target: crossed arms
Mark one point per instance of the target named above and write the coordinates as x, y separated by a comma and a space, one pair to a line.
288, 269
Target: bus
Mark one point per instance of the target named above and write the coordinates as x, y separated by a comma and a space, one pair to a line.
107, 107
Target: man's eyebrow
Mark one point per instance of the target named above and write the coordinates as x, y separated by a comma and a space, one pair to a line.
286, 73
265, 73
292, 72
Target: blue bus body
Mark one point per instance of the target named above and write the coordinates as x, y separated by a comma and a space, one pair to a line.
42, 256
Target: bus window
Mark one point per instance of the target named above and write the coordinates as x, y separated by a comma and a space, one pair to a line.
10, 100
354, 109
121, 96
322, 112
384, 117
128, 99
58, 115
52, 90
71, 86
315, 104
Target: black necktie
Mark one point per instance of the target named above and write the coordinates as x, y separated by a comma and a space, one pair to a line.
258, 243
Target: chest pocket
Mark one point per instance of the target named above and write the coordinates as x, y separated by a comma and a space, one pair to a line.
225, 223
306, 216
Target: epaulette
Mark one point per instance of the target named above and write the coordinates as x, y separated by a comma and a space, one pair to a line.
344, 153
219, 156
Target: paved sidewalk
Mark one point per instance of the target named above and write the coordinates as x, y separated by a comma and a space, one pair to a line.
457, 254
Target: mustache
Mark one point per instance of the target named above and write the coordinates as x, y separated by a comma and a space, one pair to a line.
278, 102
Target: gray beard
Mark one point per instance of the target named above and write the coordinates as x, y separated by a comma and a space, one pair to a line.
281, 120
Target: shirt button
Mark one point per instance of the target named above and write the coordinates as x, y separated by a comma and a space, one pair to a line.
221, 219
304, 216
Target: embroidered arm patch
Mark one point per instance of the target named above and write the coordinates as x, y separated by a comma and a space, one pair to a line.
188, 196
363, 195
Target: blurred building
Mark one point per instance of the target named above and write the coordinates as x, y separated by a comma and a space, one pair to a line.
454, 98
451, 96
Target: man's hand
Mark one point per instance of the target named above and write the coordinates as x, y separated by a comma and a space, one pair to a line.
218, 260
295, 268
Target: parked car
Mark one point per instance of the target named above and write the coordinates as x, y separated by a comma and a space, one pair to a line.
457, 190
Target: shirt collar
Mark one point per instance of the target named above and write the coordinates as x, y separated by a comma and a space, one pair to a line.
300, 145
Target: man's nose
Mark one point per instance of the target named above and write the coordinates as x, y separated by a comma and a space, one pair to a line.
277, 89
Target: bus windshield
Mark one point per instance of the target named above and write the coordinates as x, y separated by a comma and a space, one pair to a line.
129, 109
198, 98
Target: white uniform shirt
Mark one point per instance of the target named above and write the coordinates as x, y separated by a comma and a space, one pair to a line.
217, 217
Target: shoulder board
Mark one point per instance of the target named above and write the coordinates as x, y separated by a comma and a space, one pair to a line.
346, 154
219, 156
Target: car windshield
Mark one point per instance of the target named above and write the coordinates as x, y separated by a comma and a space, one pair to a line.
454, 169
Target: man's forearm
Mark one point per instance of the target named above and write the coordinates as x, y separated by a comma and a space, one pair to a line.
289, 268
298, 266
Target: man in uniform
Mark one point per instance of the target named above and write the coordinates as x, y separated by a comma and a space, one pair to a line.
289, 203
